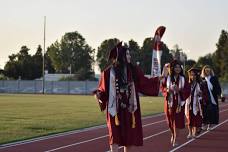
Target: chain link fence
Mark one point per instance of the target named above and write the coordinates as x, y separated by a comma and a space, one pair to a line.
57, 87
50, 87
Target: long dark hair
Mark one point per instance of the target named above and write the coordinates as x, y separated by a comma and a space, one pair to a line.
172, 72
198, 78
123, 68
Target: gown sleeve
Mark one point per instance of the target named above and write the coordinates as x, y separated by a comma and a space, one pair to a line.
164, 87
185, 92
217, 86
102, 92
147, 86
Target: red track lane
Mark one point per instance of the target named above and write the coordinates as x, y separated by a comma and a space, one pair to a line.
156, 138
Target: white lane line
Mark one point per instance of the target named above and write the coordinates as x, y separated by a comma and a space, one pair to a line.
74, 144
148, 137
74, 132
224, 105
64, 134
182, 145
154, 123
167, 131
77, 143
223, 110
151, 136
49, 137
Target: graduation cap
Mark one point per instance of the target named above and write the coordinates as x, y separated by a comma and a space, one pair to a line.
113, 54
195, 70
118, 53
174, 62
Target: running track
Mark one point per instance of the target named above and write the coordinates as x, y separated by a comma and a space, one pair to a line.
156, 139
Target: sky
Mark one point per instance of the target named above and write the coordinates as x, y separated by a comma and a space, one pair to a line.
194, 25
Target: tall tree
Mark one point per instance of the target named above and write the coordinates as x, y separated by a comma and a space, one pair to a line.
72, 54
11, 68
25, 63
134, 49
166, 55
218, 60
37, 60
54, 53
205, 60
20, 65
225, 76
49, 67
220, 55
146, 52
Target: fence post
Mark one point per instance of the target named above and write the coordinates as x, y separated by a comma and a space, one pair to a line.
34, 86
85, 87
52, 86
3, 85
68, 86
18, 85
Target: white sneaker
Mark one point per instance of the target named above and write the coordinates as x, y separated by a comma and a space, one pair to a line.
193, 136
208, 128
189, 136
203, 128
175, 144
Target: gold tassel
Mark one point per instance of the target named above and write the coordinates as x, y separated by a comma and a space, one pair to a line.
133, 120
117, 120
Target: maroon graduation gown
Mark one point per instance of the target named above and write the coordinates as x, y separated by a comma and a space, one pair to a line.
192, 119
173, 118
124, 134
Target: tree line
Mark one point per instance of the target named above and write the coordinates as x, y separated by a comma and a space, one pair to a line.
73, 55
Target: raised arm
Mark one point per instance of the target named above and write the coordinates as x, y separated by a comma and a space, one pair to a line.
147, 86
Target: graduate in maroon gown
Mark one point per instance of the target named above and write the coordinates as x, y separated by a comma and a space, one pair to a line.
176, 90
193, 106
117, 92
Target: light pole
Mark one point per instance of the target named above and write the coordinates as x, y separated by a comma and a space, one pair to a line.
43, 82
183, 58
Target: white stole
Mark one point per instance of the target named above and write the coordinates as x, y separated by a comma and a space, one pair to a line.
112, 101
132, 100
170, 87
210, 88
196, 101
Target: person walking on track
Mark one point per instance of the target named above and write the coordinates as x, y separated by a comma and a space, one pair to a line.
176, 90
117, 92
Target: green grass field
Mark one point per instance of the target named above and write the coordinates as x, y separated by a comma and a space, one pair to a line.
27, 116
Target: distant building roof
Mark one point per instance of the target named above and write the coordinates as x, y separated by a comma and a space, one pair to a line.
56, 77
